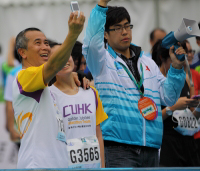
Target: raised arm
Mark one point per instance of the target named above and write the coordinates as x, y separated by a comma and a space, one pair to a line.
93, 43
103, 3
170, 88
11, 57
58, 60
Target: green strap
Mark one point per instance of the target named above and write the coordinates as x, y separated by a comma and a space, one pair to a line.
138, 85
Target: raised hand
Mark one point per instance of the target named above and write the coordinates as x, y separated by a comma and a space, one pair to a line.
175, 62
76, 23
184, 102
103, 2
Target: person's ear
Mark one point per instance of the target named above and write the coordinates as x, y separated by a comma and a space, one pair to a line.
22, 53
106, 35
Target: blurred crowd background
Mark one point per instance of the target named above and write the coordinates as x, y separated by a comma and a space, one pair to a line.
51, 16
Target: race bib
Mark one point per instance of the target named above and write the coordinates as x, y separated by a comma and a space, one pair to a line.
148, 108
84, 152
187, 122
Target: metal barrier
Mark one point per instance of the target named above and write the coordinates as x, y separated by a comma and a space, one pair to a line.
115, 169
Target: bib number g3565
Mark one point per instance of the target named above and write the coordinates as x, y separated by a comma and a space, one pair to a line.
84, 152
84, 155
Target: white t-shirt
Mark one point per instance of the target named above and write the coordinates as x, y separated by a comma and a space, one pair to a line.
81, 112
35, 115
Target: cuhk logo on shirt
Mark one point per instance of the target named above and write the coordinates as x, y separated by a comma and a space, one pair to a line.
76, 109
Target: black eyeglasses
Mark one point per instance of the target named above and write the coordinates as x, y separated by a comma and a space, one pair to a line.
191, 51
119, 29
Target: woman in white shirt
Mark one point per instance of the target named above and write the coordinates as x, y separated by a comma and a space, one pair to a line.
82, 113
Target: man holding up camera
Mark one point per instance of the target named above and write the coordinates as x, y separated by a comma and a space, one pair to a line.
43, 142
131, 88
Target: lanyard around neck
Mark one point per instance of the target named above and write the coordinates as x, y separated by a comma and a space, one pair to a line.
137, 84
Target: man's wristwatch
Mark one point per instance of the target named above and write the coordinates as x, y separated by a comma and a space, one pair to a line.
168, 111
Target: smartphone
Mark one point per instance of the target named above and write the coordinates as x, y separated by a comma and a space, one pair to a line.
74, 6
196, 97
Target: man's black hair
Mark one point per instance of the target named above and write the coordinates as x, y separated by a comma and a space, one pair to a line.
22, 41
159, 54
152, 34
77, 53
115, 15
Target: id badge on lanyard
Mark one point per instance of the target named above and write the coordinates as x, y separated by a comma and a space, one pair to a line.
146, 106
61, 129
84, 152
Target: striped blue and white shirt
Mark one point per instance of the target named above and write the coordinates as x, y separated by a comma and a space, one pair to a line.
118, 92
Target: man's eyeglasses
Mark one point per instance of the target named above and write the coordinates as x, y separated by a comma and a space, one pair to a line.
119, 29
191, 51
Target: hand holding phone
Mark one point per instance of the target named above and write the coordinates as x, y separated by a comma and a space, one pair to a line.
197, 97
76, 19
75, 7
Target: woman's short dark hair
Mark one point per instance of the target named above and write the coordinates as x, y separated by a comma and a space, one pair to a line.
159, 54
53, 43
77, 53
